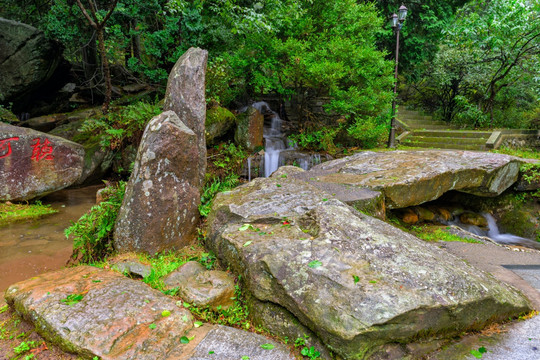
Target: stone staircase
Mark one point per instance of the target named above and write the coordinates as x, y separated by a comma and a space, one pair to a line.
424, 132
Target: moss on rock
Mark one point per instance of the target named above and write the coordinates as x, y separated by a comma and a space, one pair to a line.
218, 121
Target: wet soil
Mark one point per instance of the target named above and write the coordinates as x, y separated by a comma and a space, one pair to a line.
14, 331
33, 247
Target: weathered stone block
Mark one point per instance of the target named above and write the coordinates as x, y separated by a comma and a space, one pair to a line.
408, 178
34, 164
361, 285
160, 206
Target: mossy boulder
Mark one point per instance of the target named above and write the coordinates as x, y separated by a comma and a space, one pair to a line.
249, 129
362, 286
28, 59
218, 122
7, 116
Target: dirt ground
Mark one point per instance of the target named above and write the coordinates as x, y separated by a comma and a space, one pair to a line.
14, 331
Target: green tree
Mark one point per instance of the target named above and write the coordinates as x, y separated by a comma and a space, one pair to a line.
98, 22
421, 33
323, 49
498, 43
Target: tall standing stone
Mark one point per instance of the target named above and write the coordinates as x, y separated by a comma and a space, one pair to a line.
34, 164
160, 207
185, 96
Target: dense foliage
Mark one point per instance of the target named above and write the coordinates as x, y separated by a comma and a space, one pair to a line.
92, 233
471, 62
487, 70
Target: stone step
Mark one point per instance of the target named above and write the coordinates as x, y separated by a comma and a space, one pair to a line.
453, 133
428, 126
414, 117
425, 122
408, 112
449, 140
442, 145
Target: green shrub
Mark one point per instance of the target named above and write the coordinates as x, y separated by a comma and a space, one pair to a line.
121, 126
211, 189
92, 233
317, 140
369, 133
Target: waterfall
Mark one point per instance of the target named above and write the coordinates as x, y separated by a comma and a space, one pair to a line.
249, 168
493, 232
274, 139
277, 150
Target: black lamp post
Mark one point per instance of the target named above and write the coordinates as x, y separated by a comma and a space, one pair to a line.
397, 23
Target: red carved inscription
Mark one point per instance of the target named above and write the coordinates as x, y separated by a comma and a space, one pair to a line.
42, 150
5, 146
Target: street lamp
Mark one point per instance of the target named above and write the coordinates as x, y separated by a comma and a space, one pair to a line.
397, 23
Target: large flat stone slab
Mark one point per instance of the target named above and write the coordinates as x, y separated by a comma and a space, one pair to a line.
119, 318
362, 286
34, 164
408, 178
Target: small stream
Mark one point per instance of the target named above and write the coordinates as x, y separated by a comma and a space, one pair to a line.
494, 234
32, 247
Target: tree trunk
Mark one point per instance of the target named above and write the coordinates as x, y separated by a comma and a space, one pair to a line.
90, 64
106, 71
136, 41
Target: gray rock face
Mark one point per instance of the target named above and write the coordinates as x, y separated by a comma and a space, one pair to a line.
228, 343
113, 317
201, 287
408, 178
27, 59
185, 96
361, 285
33, 164
160, 207
249, 129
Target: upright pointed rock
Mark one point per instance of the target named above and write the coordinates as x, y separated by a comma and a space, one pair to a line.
185, 96
160, 207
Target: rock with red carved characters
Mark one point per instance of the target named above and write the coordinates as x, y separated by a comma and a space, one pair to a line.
33, 163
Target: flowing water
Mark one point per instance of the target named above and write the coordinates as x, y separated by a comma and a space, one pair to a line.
30, 248
493, 233
278, 149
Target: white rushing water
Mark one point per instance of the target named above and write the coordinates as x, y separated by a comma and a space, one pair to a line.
493, 233
277, 149
274, 138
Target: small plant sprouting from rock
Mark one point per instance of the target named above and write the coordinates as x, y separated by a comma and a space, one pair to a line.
72, 299
307, 351
235, 316
478, 353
